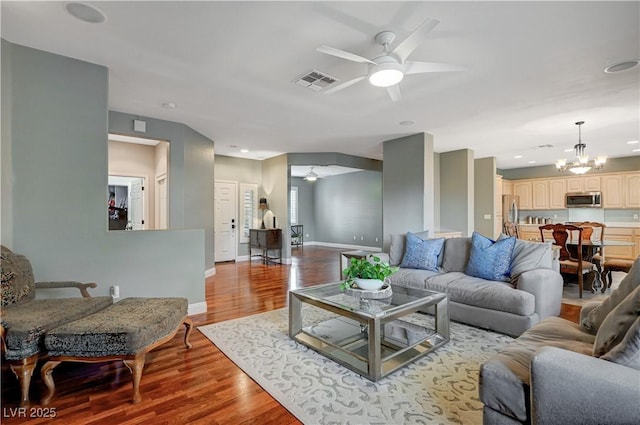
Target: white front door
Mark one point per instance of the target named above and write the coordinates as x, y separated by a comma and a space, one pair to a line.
226, 221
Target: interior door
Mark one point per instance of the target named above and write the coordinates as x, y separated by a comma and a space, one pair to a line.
136, 204
225, 220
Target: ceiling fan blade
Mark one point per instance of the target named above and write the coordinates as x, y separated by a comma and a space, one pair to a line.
342, 54
409, 44
345, 85
394, 92
420, 67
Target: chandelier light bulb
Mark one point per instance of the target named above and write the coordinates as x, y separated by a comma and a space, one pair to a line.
581, 164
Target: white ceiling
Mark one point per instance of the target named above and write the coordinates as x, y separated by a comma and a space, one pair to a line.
534, 69
321, 170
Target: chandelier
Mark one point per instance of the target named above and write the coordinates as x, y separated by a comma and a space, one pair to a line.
581, 164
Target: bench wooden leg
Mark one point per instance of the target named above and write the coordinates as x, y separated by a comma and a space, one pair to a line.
47, 369
23, 369
136, 365
188, 326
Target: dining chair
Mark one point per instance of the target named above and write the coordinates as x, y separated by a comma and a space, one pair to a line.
569, 264
511, 229
593, 232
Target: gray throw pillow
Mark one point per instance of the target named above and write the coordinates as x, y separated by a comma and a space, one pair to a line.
397, 247
529, 256
456, 254
596, 316
617, 323
627, 353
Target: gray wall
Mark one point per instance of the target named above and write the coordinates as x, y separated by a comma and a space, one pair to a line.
275, 187
457, 191
242, 171
57, 145
348, 209
6, 195
485, 195
408, 184
613, 165
191, 173
306, 206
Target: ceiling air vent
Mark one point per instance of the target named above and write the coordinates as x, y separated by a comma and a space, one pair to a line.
315, 80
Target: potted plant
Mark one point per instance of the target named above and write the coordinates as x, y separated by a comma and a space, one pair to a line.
366, 273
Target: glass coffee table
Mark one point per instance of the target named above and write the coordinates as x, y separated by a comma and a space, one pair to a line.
371, 337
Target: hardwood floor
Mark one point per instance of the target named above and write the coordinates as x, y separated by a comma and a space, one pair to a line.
180, 386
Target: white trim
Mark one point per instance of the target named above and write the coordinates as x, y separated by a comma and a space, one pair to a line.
242, 258
210, 272
197, 308
286, 261
344, 246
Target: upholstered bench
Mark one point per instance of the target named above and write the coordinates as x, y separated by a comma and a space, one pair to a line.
124, 331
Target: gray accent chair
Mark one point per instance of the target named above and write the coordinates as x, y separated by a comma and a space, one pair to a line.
557, 372
26, 320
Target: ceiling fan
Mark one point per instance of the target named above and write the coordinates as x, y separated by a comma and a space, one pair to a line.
311, 176
388, 69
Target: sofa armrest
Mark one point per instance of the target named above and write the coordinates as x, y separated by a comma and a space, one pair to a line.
572, 388
546, 286
384, 256
82, 287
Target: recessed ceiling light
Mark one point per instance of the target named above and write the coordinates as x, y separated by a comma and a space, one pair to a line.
622, 66
632, 142
531, 162
636, 150
518, 156
407, 122
169, 105
569, 150
244, 150
86, 13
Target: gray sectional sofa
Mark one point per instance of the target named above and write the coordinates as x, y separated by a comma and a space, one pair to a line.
533, 292
560, 372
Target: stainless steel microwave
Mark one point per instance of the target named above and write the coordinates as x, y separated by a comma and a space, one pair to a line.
583, 200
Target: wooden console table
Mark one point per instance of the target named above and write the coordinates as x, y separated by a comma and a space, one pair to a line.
266, 240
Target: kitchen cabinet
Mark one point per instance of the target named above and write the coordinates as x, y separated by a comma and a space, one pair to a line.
540, 194
557, 191
632, 190
523, 189
592, 183
497, 222
613, 191
624, 234
507, 187
575, 184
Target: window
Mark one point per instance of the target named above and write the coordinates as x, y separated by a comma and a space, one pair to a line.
293, 209
248, 208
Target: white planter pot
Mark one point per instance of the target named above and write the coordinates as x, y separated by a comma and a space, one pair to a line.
369, 284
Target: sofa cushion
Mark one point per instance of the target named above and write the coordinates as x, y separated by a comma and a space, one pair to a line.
627, 353
490, 259
482, 293
26, 324
504, 378
594, 319
456, 254
17, 283
615, 326
397, 247
422, 254
413, 278
529, 256
124, 328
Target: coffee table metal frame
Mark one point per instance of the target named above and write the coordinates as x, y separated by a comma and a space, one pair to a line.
366, 344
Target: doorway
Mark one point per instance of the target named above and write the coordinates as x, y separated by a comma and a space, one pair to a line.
126, 203
226, 229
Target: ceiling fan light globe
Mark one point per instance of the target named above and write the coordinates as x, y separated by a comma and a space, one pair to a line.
386, 74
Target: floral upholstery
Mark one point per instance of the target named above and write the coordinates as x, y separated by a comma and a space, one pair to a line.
27, 323
17, 278
124, 328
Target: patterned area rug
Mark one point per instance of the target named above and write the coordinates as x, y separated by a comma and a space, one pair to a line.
439, 388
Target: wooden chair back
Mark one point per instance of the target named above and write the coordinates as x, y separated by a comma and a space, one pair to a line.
511, 229
561, 233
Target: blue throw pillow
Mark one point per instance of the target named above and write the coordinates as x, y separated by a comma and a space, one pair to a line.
490, 260
422, 254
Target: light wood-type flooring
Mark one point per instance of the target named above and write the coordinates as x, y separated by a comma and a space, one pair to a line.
180, 386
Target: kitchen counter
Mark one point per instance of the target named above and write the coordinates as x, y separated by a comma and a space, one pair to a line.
629, 224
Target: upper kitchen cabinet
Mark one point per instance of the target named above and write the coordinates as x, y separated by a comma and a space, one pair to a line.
613, 191
540, 195
507, 187
523, 189
583, 184
557, 191
632, 190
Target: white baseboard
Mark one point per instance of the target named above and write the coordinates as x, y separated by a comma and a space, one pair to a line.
197, 308
346, 246
210, 272
242, 258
